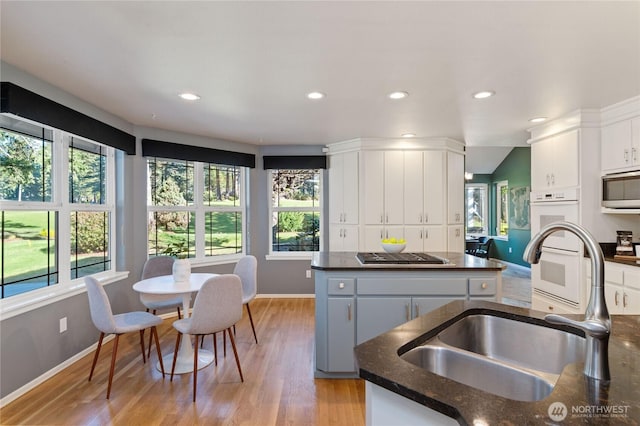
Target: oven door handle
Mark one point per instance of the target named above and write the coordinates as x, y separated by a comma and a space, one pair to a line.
560, 252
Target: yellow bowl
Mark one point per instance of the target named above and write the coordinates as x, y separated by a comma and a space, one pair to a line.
393, 248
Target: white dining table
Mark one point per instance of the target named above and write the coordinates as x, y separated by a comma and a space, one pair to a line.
165, 285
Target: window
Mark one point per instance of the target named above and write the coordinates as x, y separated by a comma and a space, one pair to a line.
477, 206
195, 209
56, 191
295, 210
502, 208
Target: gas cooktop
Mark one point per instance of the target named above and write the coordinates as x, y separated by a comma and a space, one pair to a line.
400, 258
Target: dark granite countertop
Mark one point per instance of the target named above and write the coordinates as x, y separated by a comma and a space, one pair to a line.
379, 363
347, 260
609, 251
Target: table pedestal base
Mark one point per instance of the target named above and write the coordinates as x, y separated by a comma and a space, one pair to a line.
185, 365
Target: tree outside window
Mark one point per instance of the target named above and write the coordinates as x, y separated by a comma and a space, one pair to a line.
477, 203
295, 210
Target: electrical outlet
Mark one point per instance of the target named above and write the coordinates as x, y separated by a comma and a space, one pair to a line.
63, 324
308, 273
510, 250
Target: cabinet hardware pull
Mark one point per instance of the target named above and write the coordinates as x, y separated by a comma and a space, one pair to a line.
548, 180
457, 232
420, 218
633, 154
616, 299
626, 155
381, 235
553, 179
349, 311
426, 218
624, 300
341, 285
426, 232
550, 308
340, 233
387, 218
417, 310
345, 234
483, 285
407, 311
381, 219
420, 234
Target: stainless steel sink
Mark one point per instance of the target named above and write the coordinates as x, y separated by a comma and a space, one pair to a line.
506, 357
481, 373
520, 343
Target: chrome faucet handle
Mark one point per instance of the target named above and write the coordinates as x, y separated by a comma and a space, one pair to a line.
595, 328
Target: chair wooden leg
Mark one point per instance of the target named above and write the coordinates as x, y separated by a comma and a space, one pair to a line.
252, 326
224, 342
235, 353
175, 355
215, 347
154, 331
179, 314
144, 359
113, 363
195, 367
149, 349
95, 357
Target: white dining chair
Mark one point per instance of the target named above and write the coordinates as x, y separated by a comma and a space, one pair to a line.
218, 306
247, 270
108, 323
155, 267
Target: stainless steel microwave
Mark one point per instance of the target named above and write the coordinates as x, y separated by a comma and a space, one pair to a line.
621, 190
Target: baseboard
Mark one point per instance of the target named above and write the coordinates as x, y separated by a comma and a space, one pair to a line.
286, 296
55, 370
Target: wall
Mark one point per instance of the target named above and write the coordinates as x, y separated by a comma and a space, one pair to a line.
515, 168
31, 344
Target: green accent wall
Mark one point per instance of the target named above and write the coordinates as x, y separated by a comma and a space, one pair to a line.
516, 169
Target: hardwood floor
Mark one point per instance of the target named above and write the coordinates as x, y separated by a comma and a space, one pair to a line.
279, 387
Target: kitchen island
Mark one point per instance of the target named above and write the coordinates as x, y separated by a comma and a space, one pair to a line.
414, 395
356, 302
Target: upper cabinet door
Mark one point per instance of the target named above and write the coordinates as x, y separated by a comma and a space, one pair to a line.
554, 161
434, 187
413, 188
394, 187
343, 188
373, 187
455, 186
350, 188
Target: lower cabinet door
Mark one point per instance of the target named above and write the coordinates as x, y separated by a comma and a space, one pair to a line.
377, 315
423, 305
341, 334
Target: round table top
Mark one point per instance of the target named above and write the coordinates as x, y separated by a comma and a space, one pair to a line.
165, 284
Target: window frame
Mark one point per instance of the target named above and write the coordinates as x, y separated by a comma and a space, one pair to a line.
293, 255
199, 209
498, 209
60, 203
485, 208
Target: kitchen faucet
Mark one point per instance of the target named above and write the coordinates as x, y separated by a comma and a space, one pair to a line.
596, 324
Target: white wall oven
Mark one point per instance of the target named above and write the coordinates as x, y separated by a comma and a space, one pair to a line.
557, 276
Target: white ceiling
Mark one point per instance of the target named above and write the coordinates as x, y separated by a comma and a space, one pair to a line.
254, 62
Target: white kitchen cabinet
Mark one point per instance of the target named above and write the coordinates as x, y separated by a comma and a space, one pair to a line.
383, 187
424, 187
620, 145
343, 202
455, 188
622, 288
455, 238
343, 237
425, 238
556, 161
343, 184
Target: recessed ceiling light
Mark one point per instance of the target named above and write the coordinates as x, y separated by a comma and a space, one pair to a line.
538, 119
398, 95
315, 95
408, 135
189, 96
484, 94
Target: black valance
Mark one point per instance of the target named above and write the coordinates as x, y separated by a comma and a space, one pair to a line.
24, 103
176, 151
294, 162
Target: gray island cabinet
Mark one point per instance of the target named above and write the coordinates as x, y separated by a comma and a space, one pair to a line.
356, 302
